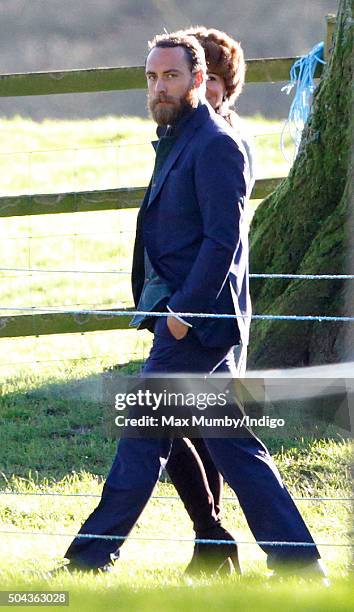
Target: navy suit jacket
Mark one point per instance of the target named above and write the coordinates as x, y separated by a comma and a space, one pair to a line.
193, 227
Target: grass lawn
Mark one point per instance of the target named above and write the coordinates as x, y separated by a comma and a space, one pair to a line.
151, 591
149, 574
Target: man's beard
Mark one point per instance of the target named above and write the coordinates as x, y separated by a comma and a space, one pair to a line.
169, 114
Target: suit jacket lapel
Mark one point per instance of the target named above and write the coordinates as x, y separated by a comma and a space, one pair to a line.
200, 115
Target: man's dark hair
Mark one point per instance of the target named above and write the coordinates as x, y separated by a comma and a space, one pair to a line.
193, 49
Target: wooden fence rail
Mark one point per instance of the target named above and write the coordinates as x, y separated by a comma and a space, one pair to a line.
43, 324
268, 70
89, 201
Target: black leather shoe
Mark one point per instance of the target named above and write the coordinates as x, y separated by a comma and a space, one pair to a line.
219, 559
71, 568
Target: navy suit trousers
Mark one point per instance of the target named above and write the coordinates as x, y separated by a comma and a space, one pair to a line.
245, 464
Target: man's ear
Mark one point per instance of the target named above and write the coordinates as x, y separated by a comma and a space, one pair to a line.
198, 78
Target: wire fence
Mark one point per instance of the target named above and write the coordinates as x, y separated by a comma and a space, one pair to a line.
194, 540
152, 313
128, 272
162, 497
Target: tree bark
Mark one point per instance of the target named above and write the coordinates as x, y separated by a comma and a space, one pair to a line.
302, 228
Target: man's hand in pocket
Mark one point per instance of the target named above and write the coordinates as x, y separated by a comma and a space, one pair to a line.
178, 329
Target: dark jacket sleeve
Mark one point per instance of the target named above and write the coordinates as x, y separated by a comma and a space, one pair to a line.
138, 269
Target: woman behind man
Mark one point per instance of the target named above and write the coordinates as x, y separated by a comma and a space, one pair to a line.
190, 466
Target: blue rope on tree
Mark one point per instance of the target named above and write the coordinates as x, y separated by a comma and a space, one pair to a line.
302, 77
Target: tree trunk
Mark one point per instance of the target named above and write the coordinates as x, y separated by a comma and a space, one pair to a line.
302, 228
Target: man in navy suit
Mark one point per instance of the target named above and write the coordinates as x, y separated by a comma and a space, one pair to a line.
191, 256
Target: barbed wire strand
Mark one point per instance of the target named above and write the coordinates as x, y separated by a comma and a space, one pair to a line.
158, 539
202, 315
163, 497
128, 272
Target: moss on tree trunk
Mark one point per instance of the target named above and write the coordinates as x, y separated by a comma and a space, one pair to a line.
302, 228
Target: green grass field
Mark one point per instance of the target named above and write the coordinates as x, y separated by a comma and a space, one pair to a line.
52, 437
149, 574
